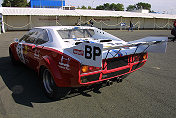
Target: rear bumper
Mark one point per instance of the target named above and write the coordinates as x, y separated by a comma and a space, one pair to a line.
111, 72
103, 75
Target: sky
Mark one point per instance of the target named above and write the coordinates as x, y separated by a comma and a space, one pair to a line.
161, 6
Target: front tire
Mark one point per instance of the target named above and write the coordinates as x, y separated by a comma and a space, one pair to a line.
50, 89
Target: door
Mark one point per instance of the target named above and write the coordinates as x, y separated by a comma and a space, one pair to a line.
34, 48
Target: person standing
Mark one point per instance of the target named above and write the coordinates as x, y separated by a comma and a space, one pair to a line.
173, 31
131, 26
174, 24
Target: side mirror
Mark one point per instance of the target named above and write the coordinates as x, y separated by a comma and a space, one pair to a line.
16, 39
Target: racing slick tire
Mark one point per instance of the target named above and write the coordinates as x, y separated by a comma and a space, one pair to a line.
13, 60
49, 87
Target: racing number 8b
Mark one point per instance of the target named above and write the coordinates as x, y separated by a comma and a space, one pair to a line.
89, 53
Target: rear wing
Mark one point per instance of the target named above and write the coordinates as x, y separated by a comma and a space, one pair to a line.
92, 53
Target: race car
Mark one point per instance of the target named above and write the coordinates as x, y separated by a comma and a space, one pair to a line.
76, 56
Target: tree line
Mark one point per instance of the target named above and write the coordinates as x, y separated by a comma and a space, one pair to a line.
106, 6
15, 3
120, 7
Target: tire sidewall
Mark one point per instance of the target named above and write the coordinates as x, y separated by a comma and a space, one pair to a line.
58, 92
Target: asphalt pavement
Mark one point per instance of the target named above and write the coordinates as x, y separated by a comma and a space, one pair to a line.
147, 93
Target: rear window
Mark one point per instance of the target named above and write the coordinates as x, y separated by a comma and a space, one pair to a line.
76, 33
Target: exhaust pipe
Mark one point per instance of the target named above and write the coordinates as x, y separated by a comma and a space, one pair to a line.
118, 79
108, 82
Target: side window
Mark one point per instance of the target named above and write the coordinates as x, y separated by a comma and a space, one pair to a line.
65, 34
42, 38
90, 32
26, 36
32, 37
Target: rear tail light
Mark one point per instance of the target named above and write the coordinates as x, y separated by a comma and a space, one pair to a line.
87, 69
145, 56
140, 57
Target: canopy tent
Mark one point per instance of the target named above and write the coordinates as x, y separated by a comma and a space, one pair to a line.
25, 18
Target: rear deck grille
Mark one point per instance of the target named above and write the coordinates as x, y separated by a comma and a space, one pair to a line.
117, 62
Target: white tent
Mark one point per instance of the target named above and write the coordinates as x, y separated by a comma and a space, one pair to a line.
25, 18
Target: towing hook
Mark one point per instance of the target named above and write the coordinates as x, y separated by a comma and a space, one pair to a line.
108, 82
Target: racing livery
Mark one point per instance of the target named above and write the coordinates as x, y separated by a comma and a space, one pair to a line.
76, 56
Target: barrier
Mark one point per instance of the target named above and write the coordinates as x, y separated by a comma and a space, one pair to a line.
16, 27
102, 22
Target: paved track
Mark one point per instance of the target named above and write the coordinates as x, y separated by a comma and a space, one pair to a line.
148, 93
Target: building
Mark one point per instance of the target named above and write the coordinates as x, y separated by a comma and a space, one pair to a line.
14, 18
141, 11
47, 3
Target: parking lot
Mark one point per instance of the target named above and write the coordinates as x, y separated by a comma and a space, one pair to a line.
147, 93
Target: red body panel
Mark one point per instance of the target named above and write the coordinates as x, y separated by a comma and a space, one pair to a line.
64, 69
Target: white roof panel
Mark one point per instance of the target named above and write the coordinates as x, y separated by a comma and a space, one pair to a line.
38, 11
98, 13
133, 14
163, 16
79, 12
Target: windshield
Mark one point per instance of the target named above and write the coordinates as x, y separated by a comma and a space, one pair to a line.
76, 33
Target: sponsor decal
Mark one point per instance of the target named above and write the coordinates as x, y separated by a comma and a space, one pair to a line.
92, 52
25, 50
88, 53
19, 50
64, 63
78, 52
36, 54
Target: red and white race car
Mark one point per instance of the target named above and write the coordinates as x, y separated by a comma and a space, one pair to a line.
75, 56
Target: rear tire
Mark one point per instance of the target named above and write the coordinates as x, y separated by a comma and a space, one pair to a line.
13, 60
50, 89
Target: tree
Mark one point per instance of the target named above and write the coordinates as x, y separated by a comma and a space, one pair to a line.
100, 7
113, 6
83, 7
78, 7
14, 3
29, 4
131, 7
106, 6
89, 7
142, 5
6, 3
138, 6
116, 7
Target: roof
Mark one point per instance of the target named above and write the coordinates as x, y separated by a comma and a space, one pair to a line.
79, 12
65, 27
37, 11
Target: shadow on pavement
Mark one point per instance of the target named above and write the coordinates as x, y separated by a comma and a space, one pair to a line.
24, 84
